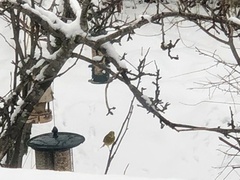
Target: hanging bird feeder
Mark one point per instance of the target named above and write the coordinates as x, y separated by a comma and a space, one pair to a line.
99, 75
41, 112
53, 150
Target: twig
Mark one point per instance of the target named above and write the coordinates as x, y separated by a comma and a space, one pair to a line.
125, 170
75, 62
106, 97
230, 144
121, 135
232, 121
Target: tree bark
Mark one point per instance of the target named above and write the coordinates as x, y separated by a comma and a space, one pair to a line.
9, 138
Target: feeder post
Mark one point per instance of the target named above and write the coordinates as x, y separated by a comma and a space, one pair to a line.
53, 150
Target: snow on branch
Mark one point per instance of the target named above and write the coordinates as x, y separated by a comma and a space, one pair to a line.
75, 7
110, 50
69, 29
234, 20
49, 20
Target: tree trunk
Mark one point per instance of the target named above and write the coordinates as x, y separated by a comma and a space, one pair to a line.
15, 155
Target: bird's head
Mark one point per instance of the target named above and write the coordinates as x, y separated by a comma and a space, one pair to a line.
111, 133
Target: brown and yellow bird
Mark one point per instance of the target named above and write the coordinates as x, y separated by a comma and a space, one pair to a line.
108, 139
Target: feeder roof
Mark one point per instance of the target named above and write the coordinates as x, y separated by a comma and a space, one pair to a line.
47, 96
55, 141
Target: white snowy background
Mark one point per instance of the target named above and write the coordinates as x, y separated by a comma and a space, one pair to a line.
147, 150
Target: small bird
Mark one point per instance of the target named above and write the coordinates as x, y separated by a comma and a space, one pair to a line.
108, 139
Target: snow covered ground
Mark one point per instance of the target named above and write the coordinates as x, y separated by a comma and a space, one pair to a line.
147, 150
39, 175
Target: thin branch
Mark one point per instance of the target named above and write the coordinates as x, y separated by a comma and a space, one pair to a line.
121, 135
83, 17
106, 97
233, 48
5, 39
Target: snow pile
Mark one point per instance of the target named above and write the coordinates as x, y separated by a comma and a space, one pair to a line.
40, 175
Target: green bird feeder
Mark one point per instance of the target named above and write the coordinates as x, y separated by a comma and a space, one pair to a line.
53, 150
99, 75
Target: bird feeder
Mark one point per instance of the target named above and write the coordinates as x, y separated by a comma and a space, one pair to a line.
41, 112
53, 150
99, 75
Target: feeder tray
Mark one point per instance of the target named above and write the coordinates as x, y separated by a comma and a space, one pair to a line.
42, 117
53, 150
55, 141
